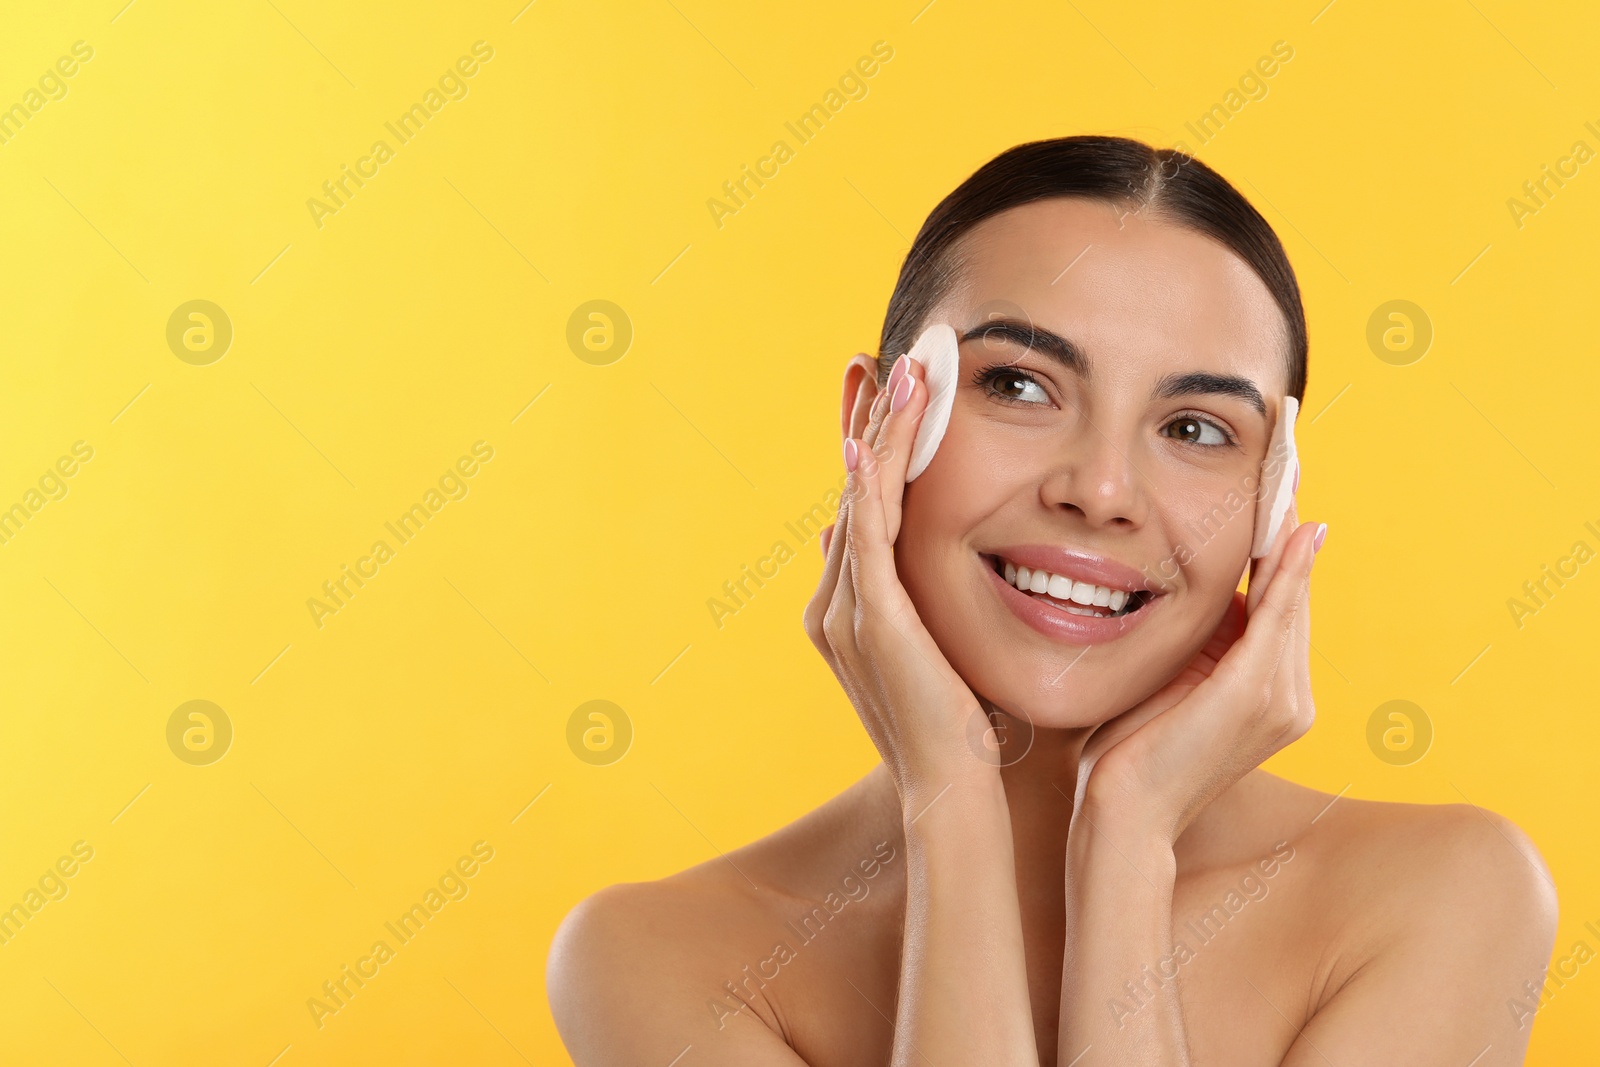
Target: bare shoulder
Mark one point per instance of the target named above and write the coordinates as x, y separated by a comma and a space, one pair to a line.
639, 970
1390, 859
630, 964
1458, 859
1448, 910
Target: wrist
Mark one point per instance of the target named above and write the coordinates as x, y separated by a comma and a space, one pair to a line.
971, 794
1135, 816
1120, 833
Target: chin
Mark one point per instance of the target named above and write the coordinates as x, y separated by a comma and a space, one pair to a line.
1057, 695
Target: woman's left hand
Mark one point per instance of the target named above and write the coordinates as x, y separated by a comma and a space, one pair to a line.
1243, 697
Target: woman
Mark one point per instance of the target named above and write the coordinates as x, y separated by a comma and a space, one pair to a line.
1069, 854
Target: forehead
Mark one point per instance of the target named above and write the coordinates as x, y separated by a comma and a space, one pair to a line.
1137, 292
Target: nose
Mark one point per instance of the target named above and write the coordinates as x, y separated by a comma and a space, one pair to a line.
1096, 476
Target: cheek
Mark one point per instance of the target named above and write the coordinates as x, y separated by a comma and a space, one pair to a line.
934, 526
963, 483
934, 555
1211, 527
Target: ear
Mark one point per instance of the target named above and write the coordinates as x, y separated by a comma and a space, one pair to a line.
860, 390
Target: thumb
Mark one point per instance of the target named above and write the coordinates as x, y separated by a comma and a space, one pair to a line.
826, 537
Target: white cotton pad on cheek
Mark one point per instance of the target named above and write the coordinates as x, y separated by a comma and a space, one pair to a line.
940, 355
1277, 479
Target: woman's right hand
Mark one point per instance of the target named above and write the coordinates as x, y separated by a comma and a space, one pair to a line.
924, 720
963, 924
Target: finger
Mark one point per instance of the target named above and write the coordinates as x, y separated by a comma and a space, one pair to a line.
1262, 570
1291, 710
825, 536
1301, 663
833, 564
839, 540
909, 389
1232, 728
887, 627
871, 563
1286, 673
854, 536
1252, 664
899, 434
1229, 630
878, 412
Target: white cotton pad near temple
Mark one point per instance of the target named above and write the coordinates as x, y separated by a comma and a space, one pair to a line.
940, 355
1277, 479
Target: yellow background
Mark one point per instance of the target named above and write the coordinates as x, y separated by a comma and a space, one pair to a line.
371, 352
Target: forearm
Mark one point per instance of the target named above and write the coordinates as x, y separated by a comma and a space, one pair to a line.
1118, 996
963, 975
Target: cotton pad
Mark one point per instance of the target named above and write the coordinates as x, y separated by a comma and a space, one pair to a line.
940, 355
1277, 482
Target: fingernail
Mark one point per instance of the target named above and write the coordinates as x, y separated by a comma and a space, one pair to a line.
902, 393
1295, 488
850, 454
1321, 534
896, 372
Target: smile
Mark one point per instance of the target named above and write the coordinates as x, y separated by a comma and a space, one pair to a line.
1099, 600
1077, 597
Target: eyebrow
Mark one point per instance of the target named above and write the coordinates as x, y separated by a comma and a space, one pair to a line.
1074, 359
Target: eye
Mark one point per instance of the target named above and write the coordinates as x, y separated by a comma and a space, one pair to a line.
1006, 382
1198, 431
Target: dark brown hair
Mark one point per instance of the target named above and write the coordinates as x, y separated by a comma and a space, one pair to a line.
1161, 182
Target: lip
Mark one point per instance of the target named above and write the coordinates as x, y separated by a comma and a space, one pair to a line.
1064, 626
1079, 566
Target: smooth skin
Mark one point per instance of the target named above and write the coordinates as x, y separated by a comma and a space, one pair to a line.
1133, 889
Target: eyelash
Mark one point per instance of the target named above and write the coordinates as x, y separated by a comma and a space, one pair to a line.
984, 377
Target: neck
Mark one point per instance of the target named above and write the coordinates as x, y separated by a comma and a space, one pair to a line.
1040, 774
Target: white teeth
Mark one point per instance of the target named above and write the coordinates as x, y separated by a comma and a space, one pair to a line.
1060, 587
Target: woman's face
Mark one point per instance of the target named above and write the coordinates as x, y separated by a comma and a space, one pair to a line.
1128, 458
